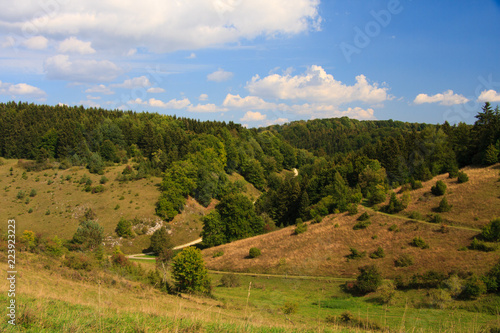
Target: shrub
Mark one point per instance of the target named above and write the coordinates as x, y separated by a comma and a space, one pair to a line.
230, 281
89, 234
439, 189
317, 219
78, 261
491, 232
368, 280
217, 254
352, 209
103, 180
20, 195
355, 254
416, 184
481, 246
415, 215
289, 308
462, 177
363, 217
189, 272
33, 193
254, 252
444, 206
97, 189
473, 288
378, 253
393, 227
419, 242
124, 228
436, 218
361, 225
403, 260
300, 228
395, 205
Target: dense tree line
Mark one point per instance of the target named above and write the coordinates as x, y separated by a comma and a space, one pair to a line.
339, 161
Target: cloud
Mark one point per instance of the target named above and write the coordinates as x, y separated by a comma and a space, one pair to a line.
219, 76
136, 82
155, 90
191, 56
253, 116
205, 108
74, 45
316, 86
100, 89
172, 104
20, 89
249, 102
447, 98
314, 111
203, 97
60, 67
165, 26
36, 43
489, 96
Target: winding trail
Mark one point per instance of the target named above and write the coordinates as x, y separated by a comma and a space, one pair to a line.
141, 256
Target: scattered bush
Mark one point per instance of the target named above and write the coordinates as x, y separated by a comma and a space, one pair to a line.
481, 246
416, 184
254, 252
33, 193
415, 215
79, 261
300, 228
439, 189
394, 228
378, 253
361, 225
491, 232
462, 177
419, 242
217, 254
364, 217
352, 209
355, 254
124, 228
436, 218
347, 319
403, 260
473, 288
103, 180
368, 280
230, 281
395, 205
20, 195
444, 206
289, 308
189, 272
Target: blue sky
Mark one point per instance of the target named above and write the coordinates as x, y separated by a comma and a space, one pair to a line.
256, 62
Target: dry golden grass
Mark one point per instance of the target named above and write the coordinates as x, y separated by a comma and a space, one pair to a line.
475, 202
323, 248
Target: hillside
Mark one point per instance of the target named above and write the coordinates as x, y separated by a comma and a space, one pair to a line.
322, 250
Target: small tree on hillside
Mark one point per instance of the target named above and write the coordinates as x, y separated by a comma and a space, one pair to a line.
89, 235
189, 272
439, 188
369, 279
444, 206
124, 228
491, 232
160, 239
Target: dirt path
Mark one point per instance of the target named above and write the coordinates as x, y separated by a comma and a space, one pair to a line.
141, 256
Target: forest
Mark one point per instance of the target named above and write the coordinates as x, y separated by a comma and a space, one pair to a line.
340, 161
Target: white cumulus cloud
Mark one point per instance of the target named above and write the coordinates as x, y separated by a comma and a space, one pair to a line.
317, 86
100, 89
447, 98
136, 82
172, 104
253, 116
205, 108
163, 26
74, 45
155, 90
20, 89
203, 97
489, 96
36, 43
60, 67
219, 75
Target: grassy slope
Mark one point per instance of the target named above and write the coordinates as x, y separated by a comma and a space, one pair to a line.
322, 249
66, 202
